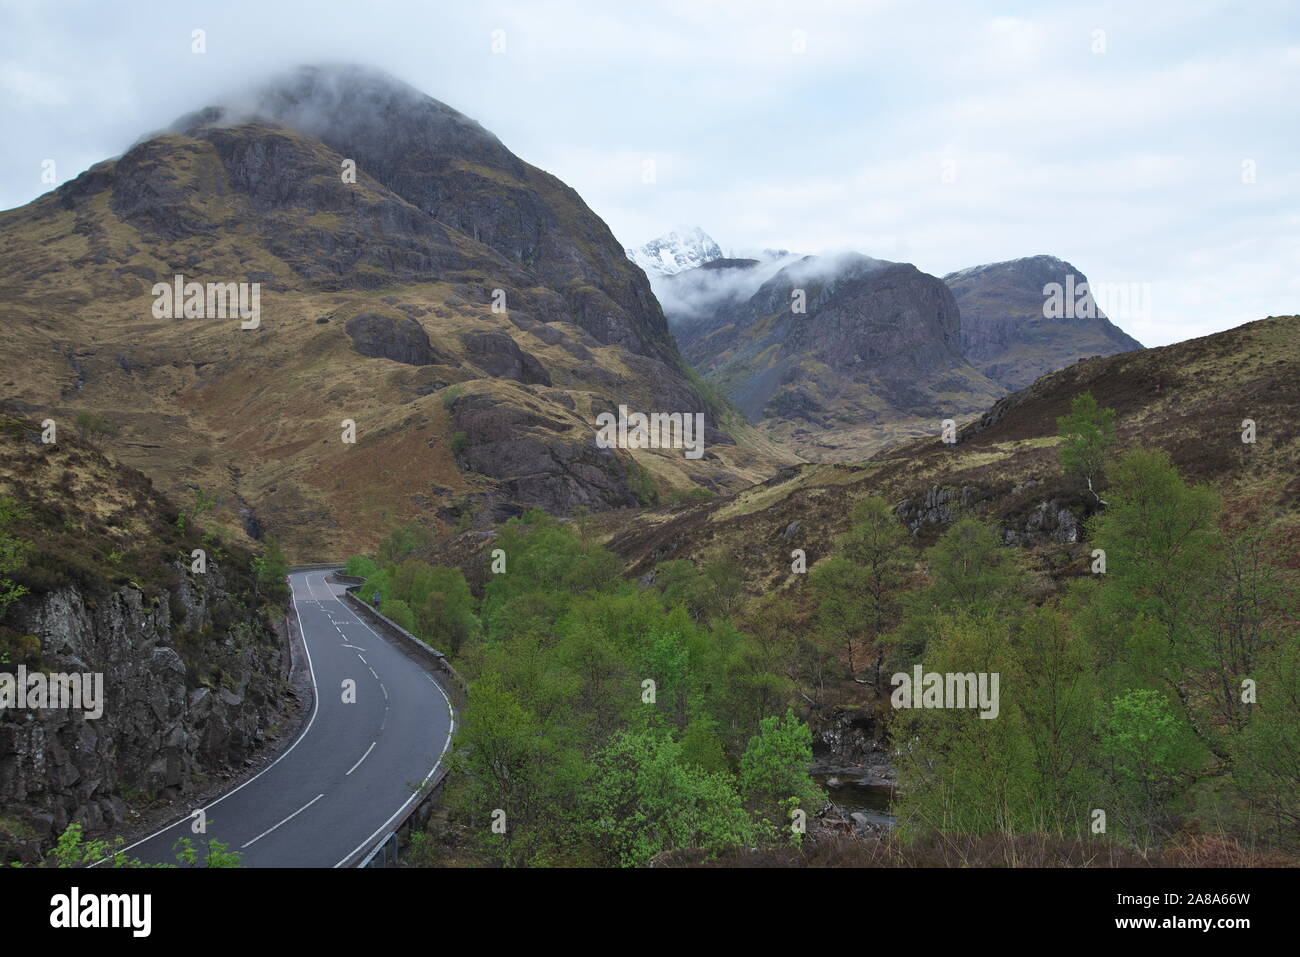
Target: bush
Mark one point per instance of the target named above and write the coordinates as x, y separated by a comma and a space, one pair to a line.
774, 771
361, 566
398, 611
271, 572
641, 485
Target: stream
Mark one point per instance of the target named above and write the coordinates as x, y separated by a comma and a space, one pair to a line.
853, 793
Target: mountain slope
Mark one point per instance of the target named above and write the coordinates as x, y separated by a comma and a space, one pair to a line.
1005, 333
1005, 466
836, 355
464, 310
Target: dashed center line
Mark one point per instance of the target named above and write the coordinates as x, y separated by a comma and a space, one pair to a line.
290, 817
362, 758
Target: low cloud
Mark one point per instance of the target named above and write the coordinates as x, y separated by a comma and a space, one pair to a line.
696, 294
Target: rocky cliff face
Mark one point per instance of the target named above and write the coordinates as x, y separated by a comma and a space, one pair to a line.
169, 720
1005, 333
835, 343
1029, 513
193, 669
450, 168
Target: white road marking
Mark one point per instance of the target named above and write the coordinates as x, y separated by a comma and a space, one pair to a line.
354, 647
364, 662
362, 758
285, 821
451, 713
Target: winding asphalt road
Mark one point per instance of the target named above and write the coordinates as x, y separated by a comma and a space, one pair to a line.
329, 797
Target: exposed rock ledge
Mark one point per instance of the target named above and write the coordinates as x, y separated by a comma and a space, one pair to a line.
193, 687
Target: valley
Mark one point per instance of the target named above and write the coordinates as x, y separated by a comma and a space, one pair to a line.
660, 556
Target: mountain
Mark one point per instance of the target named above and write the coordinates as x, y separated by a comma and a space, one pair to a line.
686, 247
1005, 332
1005, 470
835, 356
465, 313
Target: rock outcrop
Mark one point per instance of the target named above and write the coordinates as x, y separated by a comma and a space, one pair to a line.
385, 337
193, 670
1006, 332
536, 458
499, 355
169, 720
1024, 514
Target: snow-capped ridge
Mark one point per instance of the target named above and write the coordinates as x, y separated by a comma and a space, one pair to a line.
685, 247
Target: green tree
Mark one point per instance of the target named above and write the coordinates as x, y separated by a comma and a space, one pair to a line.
857, 591
702, 745
645, 799
972, 571
774, 769
200, 504
516, 770
398, 611
13, 552
1247, 608
1089, 434
681, 584
713, 590
723, 581
447, 616
1266, 754
1151, 754
1161, 540
361, 566
960, 772
842, 602
271, 571
546, 566
401, 542
1056, 696
93, 427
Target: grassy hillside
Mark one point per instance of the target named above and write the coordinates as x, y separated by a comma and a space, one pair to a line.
255, 417
1172, 398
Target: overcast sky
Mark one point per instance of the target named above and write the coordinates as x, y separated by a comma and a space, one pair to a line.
944, 134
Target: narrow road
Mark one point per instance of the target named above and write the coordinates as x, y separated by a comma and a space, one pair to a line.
354, 767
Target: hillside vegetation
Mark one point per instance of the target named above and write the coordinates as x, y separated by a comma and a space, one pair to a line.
1150, 704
